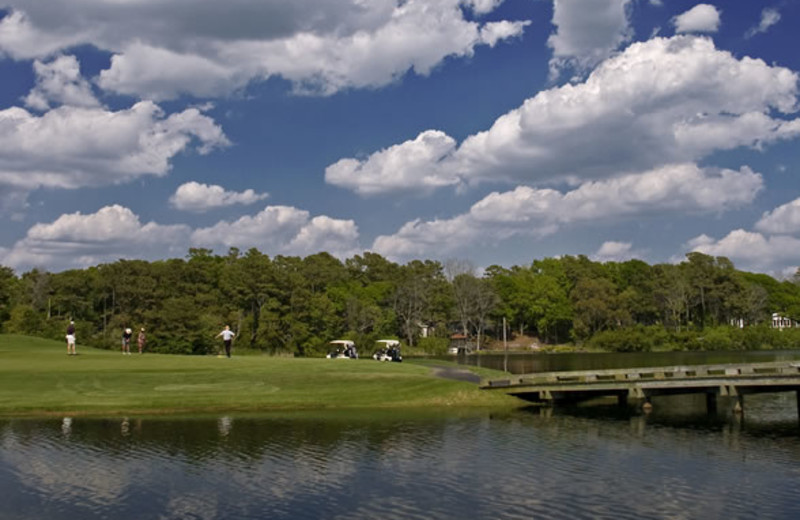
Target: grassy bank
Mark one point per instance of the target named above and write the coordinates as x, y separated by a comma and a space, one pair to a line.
38, 378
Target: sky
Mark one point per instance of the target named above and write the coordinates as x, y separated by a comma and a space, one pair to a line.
495, 132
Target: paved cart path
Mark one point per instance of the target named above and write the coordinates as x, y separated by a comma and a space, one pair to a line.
458, 374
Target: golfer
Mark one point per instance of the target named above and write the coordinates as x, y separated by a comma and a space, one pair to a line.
126, 342
227, 336
71, 339
141, 340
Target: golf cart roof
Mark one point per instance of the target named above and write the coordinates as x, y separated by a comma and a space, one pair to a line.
343, 342
389, 342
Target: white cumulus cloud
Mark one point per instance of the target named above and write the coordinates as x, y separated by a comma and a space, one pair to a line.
20, 38
664, 101
72, 146
751, 250
646, 107
60, 81
483, 6
322, 233
402, 167
533, 212
493, 32
773, 247
700, 18
322, 46
198, 197
784, 219
612, 251
769, 17
282, 230
76, 240
587, 32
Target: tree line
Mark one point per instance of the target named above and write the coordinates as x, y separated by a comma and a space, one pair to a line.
294, 305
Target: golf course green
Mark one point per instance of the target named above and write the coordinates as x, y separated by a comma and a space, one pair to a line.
37, 377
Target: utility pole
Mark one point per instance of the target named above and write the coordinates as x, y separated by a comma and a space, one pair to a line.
505, 347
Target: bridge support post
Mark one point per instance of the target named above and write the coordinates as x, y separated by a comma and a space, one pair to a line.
711, 403
738, 407
637, 396
797, 394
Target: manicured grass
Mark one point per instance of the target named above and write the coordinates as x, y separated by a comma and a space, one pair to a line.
37, 378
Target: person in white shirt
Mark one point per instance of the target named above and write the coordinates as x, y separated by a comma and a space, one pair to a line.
71, 339
227, 336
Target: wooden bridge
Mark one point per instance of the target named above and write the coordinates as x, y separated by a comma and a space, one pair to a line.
641, 384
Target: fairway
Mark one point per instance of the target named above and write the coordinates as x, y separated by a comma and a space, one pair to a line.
38, 378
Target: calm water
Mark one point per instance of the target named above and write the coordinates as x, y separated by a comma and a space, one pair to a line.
580, 463
523, 363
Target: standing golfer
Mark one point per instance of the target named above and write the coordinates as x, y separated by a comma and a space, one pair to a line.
71, 339
141, 340
227, 336
126, 342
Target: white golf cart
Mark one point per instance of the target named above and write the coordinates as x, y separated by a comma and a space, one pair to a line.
342, 349
388, 350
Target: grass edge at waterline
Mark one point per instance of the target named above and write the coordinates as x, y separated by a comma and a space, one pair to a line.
38, 378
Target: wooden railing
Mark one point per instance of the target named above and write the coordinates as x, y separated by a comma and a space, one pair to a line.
670, 373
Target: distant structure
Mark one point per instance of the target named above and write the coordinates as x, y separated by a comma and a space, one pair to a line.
783, 322
425, 329
459, 344
779, 321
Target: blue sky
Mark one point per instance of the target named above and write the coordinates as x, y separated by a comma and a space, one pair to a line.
493, 131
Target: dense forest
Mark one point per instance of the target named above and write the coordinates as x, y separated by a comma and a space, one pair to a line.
296, 305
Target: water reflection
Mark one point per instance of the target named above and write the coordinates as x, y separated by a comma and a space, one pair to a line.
580, 462
66, 426
224, 425
527, 363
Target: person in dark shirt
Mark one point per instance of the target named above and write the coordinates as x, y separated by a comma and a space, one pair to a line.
126, 342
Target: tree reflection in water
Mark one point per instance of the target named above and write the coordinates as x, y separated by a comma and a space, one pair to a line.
581, 462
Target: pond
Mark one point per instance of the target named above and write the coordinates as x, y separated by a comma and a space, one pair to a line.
526, 363
586, 462
577, 463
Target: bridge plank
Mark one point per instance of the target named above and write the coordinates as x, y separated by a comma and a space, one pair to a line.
724, 380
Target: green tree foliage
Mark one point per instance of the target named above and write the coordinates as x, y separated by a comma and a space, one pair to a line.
672, 295
9, 287
598, 306
632, 339
24, 319
421, 298
635, 280
297, 305
474, 299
